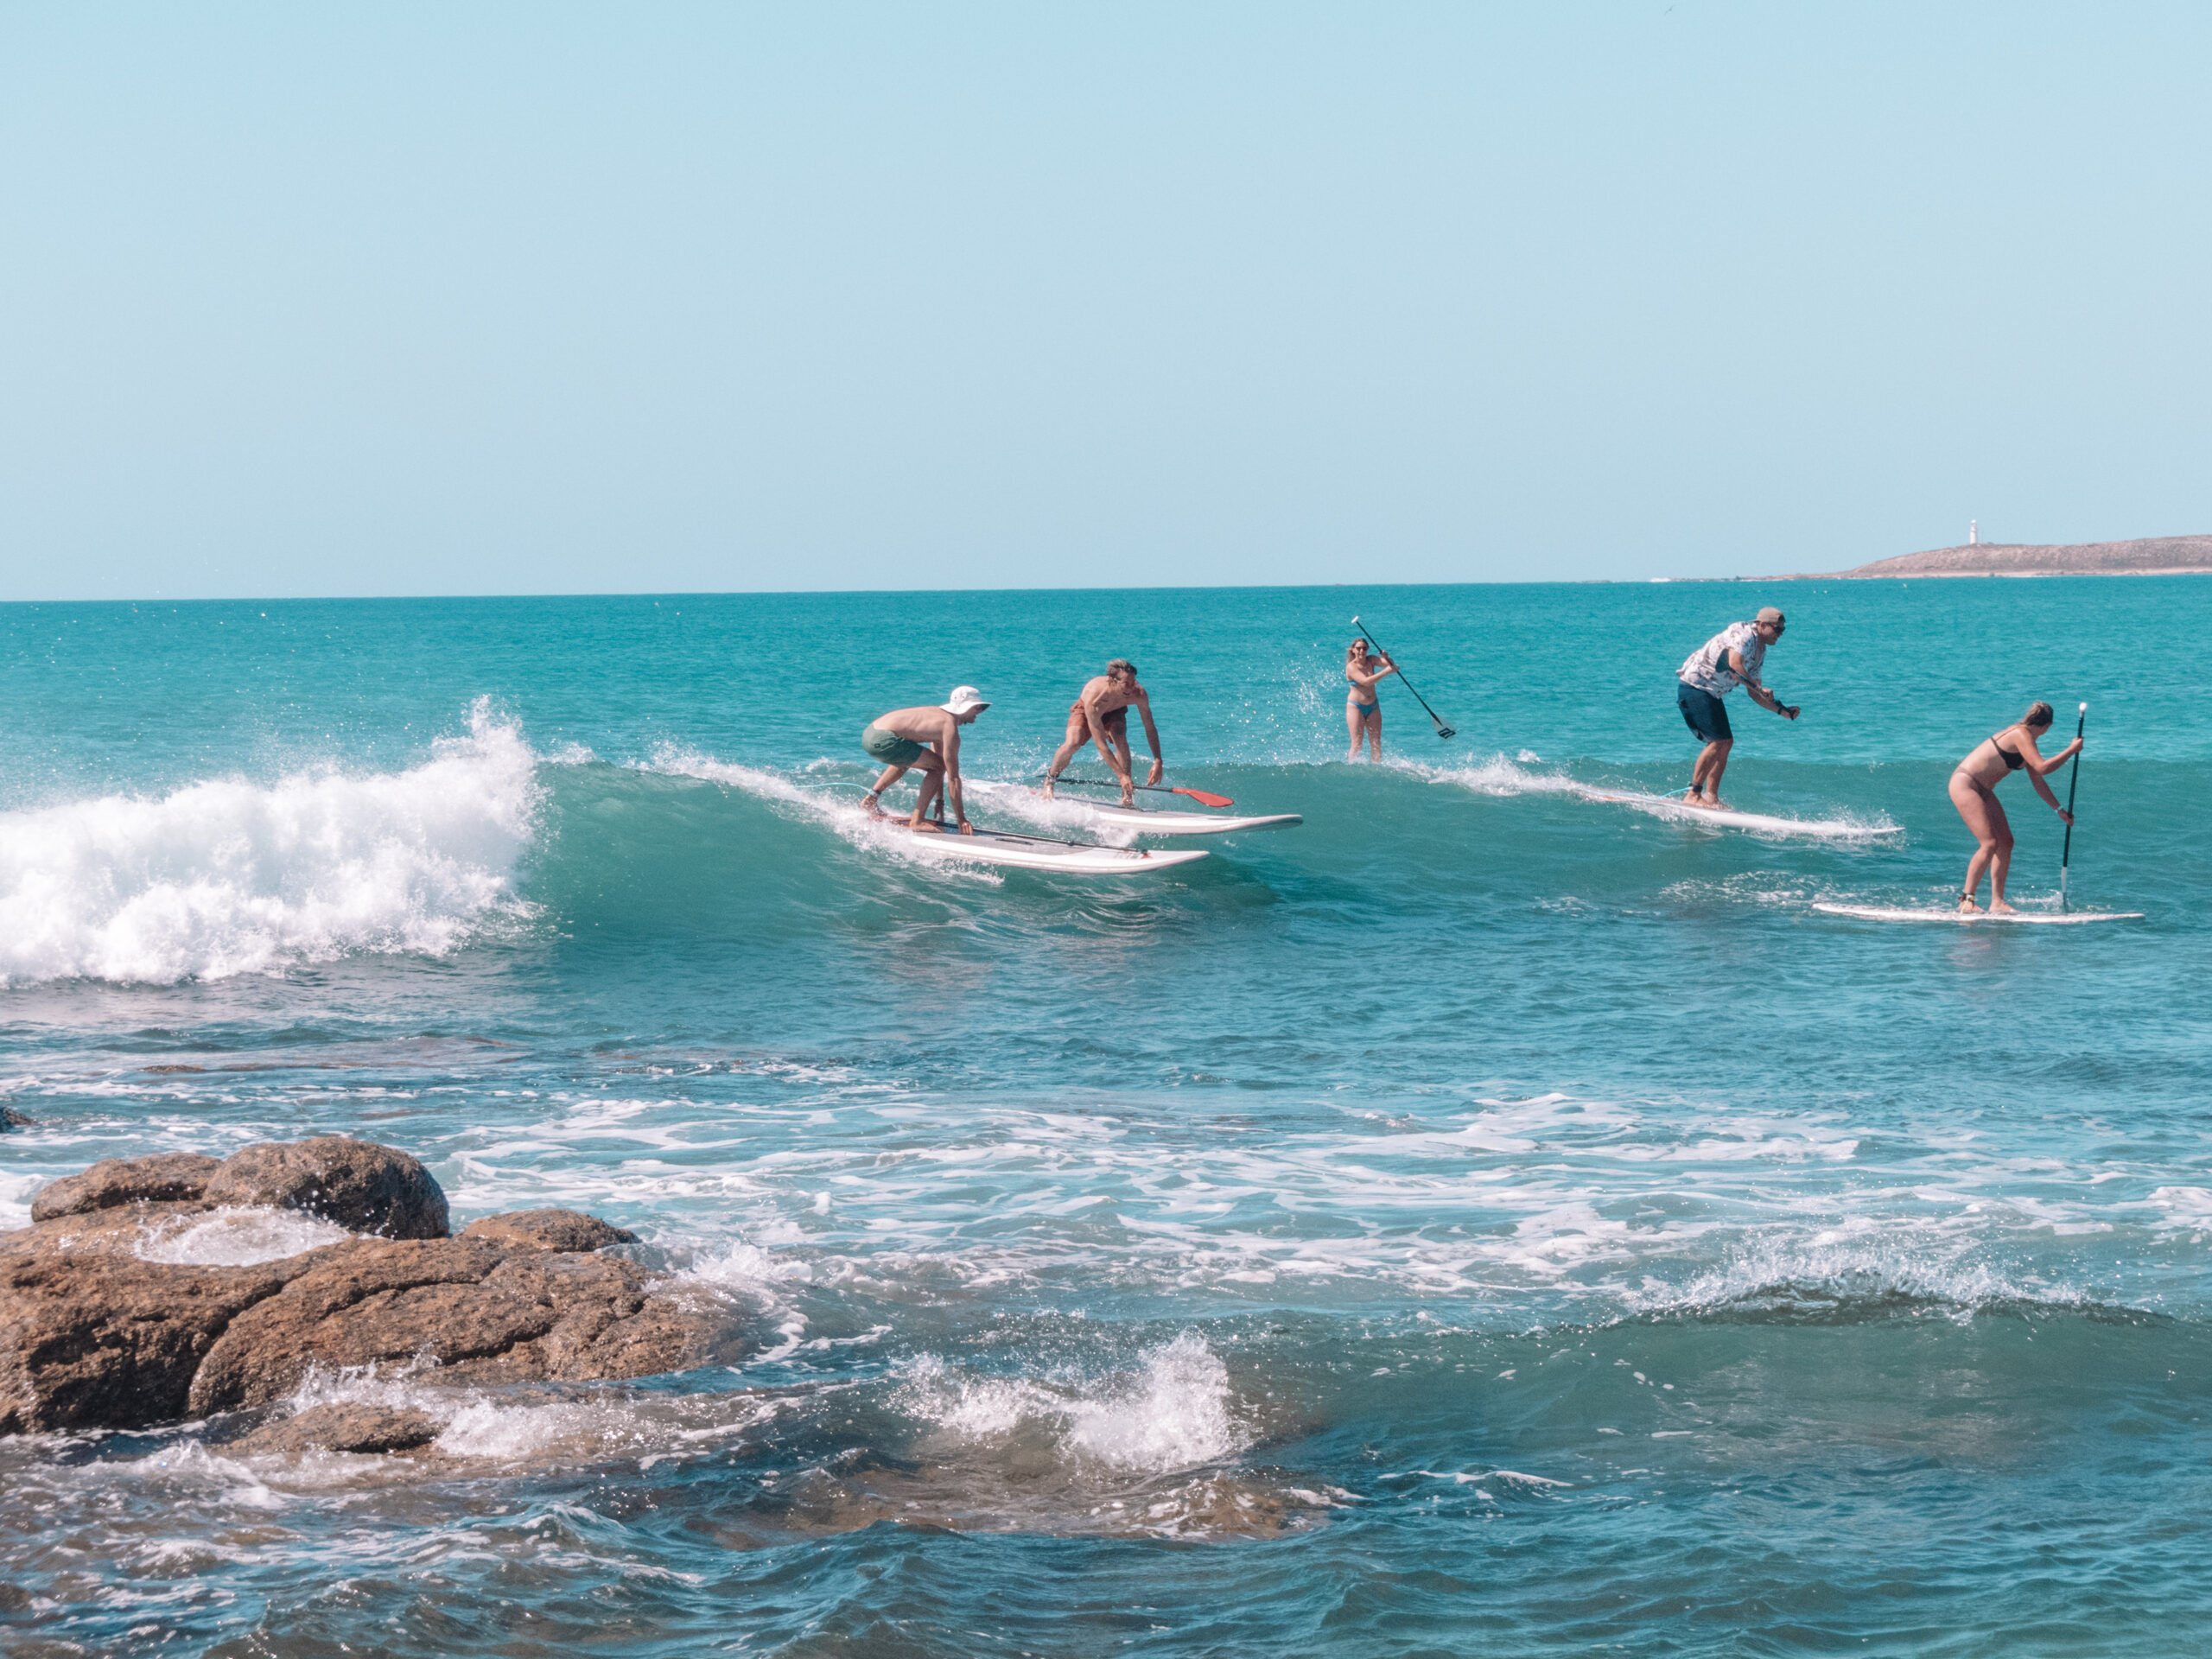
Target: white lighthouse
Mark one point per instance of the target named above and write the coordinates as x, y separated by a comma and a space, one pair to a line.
1973, 533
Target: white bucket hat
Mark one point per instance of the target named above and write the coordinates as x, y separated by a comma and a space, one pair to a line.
965, 700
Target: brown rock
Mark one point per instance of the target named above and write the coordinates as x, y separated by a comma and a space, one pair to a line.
478, 1313
343, 1427
165, 1177
92, 1337
362, 1303
361, 1185
548, 1229
609, 1324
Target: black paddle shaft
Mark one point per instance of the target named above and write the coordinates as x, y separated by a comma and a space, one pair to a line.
2073, 778
1442, 730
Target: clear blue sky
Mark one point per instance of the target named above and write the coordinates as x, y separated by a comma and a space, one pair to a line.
474, 298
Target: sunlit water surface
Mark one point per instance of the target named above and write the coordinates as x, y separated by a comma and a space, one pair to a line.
1481, 1219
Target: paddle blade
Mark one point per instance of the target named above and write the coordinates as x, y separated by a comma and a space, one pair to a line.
1203, 799
1442, 730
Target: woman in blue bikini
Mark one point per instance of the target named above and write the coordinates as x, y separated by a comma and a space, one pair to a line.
1974, 791
1365, 718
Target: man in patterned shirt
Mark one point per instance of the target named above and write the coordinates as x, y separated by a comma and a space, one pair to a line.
1731, 658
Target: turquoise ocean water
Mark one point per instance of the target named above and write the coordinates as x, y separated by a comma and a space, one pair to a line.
1480, 1220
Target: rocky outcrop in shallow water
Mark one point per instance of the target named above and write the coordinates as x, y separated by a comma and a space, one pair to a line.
105, 1322
163, 1179
344, 1425
548, 1229
357, 1184
362, 1187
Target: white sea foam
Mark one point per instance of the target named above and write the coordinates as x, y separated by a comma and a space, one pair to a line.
753, 1274
1554, 1205
1894, 1263
232, 876
1571, 1197
673, 760
238, 1237
470, 1423
506, 1434
17, 1188
840, 813
1173, 1411
220, 1481
1501, 777
2185, 1209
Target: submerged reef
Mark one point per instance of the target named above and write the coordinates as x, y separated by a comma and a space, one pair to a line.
148, 1289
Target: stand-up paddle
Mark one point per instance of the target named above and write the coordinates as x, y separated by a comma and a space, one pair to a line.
1204, 798
2066, 857
1442, 730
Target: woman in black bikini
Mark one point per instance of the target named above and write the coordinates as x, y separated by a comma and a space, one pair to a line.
1363, 715
1974, 791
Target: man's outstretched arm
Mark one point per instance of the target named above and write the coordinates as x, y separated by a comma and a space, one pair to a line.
948, 750
1151, 737
1766, 699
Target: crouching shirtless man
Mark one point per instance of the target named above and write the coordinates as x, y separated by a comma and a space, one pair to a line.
897, 738
1101, 716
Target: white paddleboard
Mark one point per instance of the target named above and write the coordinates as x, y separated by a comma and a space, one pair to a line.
1146, 822
1034, 852
1674, 807
1075, 810
1901, 913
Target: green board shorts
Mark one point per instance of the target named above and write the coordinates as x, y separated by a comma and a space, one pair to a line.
889, 747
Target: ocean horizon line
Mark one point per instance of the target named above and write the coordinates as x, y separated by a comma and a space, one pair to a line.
661, 594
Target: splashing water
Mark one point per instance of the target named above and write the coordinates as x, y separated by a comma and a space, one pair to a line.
233, 877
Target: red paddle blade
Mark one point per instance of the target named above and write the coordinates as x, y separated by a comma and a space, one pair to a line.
1203, 799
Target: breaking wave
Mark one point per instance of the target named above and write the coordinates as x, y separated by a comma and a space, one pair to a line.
232, 876
1172, 1411
1791, 1282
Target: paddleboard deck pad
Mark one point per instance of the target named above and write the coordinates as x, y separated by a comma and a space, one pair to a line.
1034, 853
1903, 913
1672, 806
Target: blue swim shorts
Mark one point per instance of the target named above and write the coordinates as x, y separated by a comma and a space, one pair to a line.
1703, 713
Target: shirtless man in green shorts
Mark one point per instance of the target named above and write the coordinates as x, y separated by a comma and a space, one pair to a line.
897, 739
1101, 716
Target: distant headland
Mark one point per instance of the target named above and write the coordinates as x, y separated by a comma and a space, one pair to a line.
2156, 556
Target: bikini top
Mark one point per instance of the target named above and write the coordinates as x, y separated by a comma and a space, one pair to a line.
2014, 761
